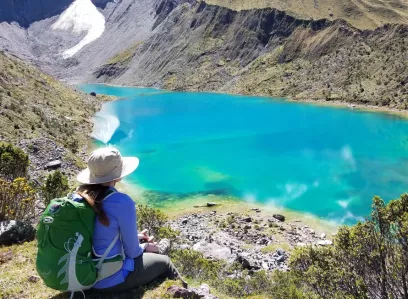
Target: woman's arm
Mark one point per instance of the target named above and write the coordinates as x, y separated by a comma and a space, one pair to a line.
128, 228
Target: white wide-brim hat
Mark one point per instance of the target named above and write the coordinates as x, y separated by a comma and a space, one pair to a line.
106, 165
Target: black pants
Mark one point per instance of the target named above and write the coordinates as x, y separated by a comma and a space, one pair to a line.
148, 267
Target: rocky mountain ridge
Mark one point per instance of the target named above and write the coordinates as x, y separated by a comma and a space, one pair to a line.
189, 45
267, 52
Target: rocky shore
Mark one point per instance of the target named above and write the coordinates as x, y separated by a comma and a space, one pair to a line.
255, 239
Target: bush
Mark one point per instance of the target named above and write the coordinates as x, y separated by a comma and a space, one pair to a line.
368, 260
193, 264
13, 162
154, 221
55, 185
17, 200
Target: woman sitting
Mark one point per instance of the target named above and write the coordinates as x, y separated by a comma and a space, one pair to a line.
136, 264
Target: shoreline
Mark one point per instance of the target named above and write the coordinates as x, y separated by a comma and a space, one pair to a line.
176, 206
353, 107
318, 102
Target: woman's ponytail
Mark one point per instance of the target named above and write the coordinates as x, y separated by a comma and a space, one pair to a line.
94, 195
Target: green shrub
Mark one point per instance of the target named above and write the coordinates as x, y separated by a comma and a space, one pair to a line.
13, 162
150, 218
193, 264
368, 260
55, 185
17, 200
154, 221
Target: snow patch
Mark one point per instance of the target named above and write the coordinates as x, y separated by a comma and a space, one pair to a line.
81, 16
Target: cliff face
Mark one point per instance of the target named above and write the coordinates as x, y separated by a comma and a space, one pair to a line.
267, 52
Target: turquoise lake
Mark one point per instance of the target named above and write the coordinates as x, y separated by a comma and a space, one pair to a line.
329, 162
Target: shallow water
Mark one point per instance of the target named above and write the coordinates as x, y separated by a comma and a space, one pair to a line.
326, 161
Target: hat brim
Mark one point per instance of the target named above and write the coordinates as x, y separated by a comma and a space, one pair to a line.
128, 166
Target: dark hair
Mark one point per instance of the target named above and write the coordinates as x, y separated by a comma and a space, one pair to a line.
94, 195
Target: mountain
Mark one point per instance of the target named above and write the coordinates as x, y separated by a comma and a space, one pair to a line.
362, 14
27, 12
190, 45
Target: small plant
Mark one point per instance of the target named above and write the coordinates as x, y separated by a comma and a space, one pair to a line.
151, 219
17, 200
56, 185
13, 162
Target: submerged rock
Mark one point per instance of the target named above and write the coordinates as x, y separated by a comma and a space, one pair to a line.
15, 232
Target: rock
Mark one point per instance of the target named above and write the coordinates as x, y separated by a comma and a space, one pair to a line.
243, 261
213, 213
279, 217
211, 204
179, 292
281, 259
202, 292
53, 164
324, 242
6, 256
323, 236
248, 226
93, 94
246, 219
33, 279
184, 222
280, 252
15, 232
256, 210
301, 244
265, 266
263, 241
213, 250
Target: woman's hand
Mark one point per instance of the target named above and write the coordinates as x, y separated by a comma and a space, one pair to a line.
152, 247
143, 235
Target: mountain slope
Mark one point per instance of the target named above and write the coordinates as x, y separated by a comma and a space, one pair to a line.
363, 14
34, 105
267, 52
27, 12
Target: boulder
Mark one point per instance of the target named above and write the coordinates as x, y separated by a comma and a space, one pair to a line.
281, 259
15, 232
246, 219
180, 292
243, 261
324, 242
202, 292
93, 94
53, 164
279, 217
213, 250
211, 204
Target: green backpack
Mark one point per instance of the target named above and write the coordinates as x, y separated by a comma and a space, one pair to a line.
64, 235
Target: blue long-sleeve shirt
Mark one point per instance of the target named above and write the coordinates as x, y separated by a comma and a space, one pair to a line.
121, 212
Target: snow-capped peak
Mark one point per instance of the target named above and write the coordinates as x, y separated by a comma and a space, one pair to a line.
81, 16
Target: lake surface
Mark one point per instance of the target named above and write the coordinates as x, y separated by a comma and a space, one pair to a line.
329, 162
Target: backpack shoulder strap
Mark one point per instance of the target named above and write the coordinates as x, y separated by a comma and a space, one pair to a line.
107, 251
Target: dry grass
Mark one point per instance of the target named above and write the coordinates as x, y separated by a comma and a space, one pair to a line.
363, 14
33, 104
